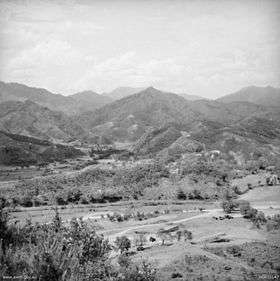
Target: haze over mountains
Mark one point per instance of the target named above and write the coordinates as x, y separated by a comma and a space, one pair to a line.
123, 92
39, 113
89, 100
70, 105
267, 96
31, 119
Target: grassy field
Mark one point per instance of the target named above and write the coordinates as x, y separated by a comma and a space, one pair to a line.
220, 247
204, 257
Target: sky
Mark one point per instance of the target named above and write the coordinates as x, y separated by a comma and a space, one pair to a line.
204, 47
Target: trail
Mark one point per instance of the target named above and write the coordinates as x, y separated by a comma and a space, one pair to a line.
212, 212
209, 213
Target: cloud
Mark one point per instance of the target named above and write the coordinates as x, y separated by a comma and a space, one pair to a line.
199, 47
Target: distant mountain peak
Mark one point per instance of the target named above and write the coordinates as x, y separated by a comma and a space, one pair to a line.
122, 92
85, 94
267, 96
151, 90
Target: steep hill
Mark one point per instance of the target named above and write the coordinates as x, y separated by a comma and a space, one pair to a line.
89, 100
136, 113
266, 96
22, 151
228, 113
154, 141
130, 117
122, 92
249, 138
30, 119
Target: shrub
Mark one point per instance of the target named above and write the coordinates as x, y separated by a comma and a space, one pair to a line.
273, 222
248, 212
60, 200
181, 195
228, 206
84, 200
27, 201
3, 202
74, 195
142, 272
259, 219
57, 252
176, 275
124, 260
123, 243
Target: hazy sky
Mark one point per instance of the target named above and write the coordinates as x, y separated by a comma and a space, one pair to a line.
208, 48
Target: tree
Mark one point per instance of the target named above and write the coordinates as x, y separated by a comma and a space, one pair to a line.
123, 243
179, 235
57, 221
188, 235
228, 206
248, 212
259, 219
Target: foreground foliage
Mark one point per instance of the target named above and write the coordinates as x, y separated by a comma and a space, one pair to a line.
56, 252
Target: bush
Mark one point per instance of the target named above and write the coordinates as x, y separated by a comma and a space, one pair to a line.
124, 260
74, 195
176, 275
57, 252
259, 219
229, 206
60, 200
27, 201
84, 200
123, 243
181, 195
142, 272
248, 212
273, 223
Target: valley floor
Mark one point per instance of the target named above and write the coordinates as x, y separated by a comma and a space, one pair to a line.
221, 248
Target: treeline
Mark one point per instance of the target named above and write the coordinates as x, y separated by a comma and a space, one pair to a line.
91, 186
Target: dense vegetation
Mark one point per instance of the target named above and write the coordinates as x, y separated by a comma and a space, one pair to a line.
57, 252
19, 150
90, 186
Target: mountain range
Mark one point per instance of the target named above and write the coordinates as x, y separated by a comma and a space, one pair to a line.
89, 100
129, 117
267, 96
122, 92
70, 105
251, 115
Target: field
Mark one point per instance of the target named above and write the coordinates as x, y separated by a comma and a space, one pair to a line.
182, 238
210, 255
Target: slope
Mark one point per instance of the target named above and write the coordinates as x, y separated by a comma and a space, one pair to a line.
89, 100
23, 151
70, 105
149, 108
122, 92
30, 119
266, 96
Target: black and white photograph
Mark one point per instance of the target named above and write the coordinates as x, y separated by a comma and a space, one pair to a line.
139, 140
